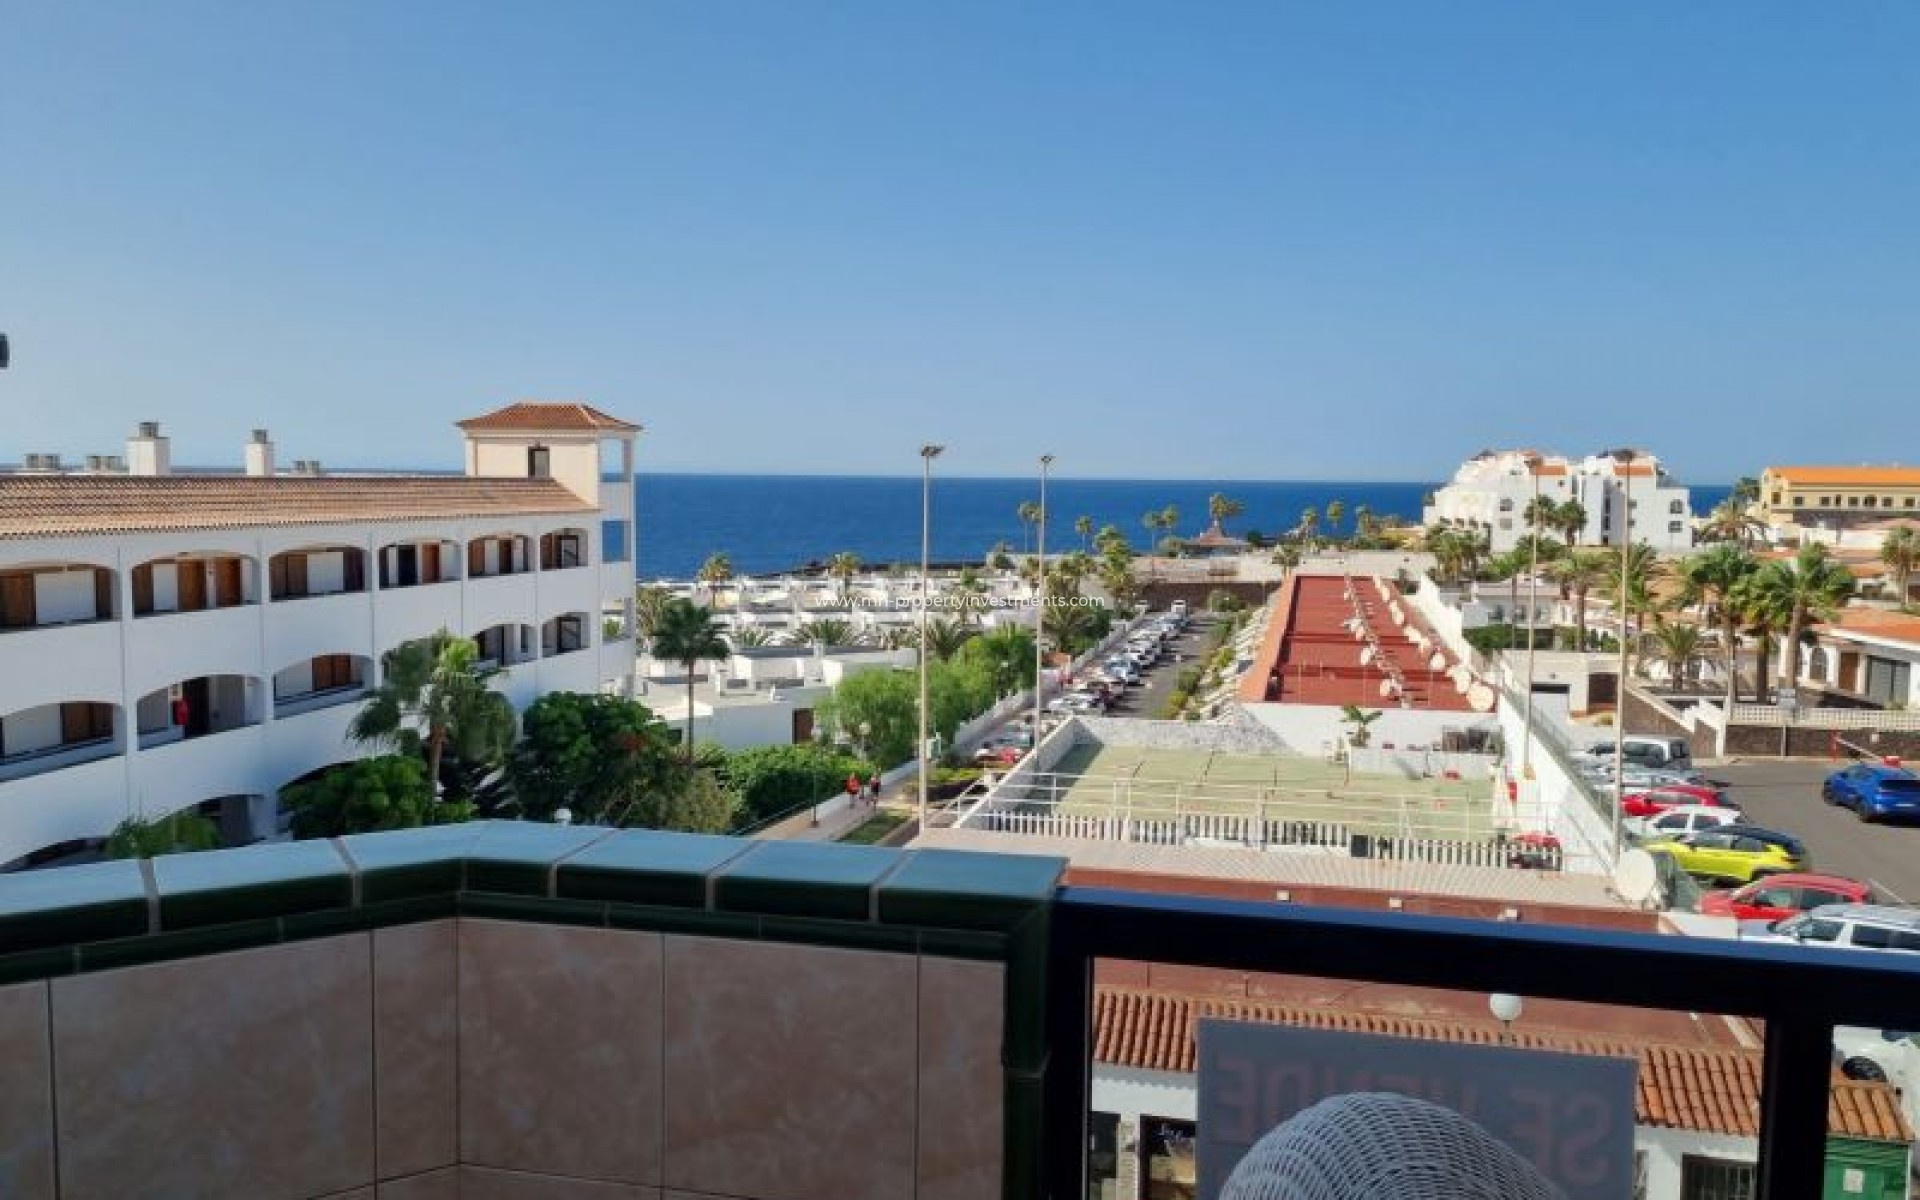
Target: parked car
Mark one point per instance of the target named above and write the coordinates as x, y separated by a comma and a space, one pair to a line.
1655, 801
1641, 750
1845, 926
1738, 852
1683, 818
1874, 791
1778, 897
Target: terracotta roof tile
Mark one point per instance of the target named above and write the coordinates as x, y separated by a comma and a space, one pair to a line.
531, 416
80, 505
1888, 476
1678, 1087
1880, 623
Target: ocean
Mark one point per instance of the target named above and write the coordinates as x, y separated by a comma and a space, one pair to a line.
771, 523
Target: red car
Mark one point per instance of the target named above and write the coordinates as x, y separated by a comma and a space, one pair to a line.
1654, 801
1779, 896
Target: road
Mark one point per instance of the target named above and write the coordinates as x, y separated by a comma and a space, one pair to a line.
1786, 796
1149, 698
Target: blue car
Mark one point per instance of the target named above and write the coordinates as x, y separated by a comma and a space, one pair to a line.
1875, 792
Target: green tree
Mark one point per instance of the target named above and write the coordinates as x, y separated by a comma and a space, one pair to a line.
998, 559
843, 567
1118, 581
1732, 522
1901, 554
1678, 646
1309, 526
1222, 508
1007, 653
1763, 612
968, 598
1580, 572
1810, 586
1359, 721
1029, 514
1542, 514
176, 833
716, 570
699, 805
1365, 527
945, 637
1712, 576
1076, 628
827, 631
765, 781
599, 756
886, 702
957, 691
1336, 513
748, 637
435, 698
1111, 543
688, 635
1286, 555
1746, 491
1083, 525
369, 795
648, 600
1571, 520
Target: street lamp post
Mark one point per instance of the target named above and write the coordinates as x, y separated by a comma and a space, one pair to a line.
928, 453
1620, 688
1040, 611
1533, 612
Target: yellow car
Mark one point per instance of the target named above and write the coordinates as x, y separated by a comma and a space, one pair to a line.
1737, 852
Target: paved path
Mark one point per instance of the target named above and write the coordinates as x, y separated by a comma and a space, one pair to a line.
1784, 794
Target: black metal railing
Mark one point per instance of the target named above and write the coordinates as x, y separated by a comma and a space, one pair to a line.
1801, 994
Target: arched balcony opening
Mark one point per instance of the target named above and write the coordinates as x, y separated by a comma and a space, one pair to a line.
565, 634
193, 583
505, 645
418, 563
38, 596
317, 571
198, 707
320, 682
498, 554
49, 737
71, 853
242, 819
563, 549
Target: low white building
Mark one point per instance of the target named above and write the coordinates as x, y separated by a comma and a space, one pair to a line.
1491, 491
174, 639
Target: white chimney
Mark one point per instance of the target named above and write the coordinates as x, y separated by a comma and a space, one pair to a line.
148, 453
260, 454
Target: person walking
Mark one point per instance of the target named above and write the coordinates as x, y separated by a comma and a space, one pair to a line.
854, 787
873, 790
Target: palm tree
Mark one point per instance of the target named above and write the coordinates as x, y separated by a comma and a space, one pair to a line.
968, 597
648, 600
1580, 572
944, 638
827, 631
1713, 575
1762, 616
1570, 518
1731, 522
1746, 491
689, 636
1358, 719
1286, 555
1541, 514
843, 567
434, 691
1511, 565
1169, 520
1029, 513
1678, 646
1901, 552
748, 637
715, 571
1336, 513
1309, 524
1809, 586
1363, 523
1083, 525
1222, 508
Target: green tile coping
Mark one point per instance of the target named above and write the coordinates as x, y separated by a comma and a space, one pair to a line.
59, 907
218, 887
975, 905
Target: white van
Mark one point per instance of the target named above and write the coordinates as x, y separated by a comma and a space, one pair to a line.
1178, 608
1848, 926
1642, 750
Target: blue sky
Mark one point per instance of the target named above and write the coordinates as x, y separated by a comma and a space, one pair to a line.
1231, 240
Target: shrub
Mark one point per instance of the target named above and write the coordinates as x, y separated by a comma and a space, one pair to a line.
766, 780
1175, 703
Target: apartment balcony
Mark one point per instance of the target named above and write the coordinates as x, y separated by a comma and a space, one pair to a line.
221, 641
505, 1009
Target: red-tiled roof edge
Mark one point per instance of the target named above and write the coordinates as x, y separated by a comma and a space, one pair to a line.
542, 416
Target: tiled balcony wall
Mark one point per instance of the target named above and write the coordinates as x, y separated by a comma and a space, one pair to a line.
514, 1011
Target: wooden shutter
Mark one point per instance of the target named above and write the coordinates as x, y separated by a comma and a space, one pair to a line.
297, 575
102, 594
143, 589
277, 576
476, 558
229, 589
17, 607
192, 577
356, 570
430, 563
83, 721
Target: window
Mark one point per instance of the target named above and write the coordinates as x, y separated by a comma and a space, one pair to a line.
85, 722
1776, 499
1799, 501
1870, 501
539, 462
1506, 506
1675, 526
1676, 507
1815, 930
1715, 1179
1881, 938
1853, 502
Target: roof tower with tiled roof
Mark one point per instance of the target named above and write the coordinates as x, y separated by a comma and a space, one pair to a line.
533, 416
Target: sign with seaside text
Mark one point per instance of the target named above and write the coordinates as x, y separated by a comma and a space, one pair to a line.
1568, 1116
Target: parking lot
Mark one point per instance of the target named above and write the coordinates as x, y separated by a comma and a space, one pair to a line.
1785, 795
1157, 682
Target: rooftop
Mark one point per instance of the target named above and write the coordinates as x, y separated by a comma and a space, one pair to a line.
532, 416
1891, 475
1680, 1087
1314, 655
84, 505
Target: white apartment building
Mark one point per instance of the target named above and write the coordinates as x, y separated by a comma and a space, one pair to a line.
1491, 492
172, 639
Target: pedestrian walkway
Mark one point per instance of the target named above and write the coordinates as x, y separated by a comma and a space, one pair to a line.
837, 818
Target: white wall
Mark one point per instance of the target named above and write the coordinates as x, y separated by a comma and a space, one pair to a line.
33, 729
64, 596
1316, 729
1666, 1148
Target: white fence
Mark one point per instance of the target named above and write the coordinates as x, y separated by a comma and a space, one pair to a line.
1827, 718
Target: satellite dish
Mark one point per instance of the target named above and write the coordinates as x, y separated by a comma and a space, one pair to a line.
1637, 878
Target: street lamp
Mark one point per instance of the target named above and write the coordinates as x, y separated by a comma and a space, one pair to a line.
1620, 688
1040, 611
928, 453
